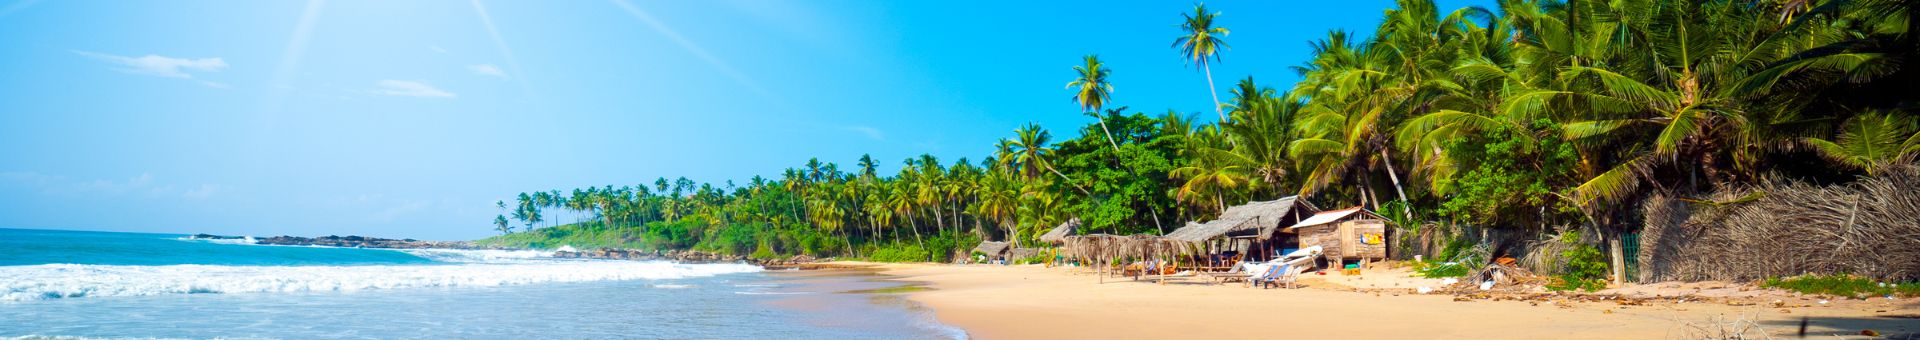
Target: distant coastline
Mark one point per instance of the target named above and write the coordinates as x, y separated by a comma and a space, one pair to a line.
605, 253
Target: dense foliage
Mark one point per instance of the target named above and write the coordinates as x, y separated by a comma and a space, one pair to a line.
1542, 116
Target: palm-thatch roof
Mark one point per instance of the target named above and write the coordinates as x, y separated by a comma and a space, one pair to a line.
1059, 234
1116, 246
1022, 253
1254, 218
991, 248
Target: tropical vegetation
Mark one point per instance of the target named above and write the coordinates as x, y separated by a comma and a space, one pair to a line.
1535, 117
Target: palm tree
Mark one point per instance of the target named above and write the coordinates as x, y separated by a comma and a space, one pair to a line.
1201, 42
1091, 90
1210, 172
500, 224
1032, 153
1871, 142
1263, 125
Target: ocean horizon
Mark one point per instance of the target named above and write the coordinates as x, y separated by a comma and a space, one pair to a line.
93, 284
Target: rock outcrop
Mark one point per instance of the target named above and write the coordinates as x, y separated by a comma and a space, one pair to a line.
367, 242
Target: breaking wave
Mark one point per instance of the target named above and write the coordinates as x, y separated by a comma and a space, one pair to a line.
470, 269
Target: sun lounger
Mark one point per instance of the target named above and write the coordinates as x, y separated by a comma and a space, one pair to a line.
1287, 272
1240, 271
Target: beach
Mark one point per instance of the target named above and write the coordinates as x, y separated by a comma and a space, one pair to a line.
1002, 302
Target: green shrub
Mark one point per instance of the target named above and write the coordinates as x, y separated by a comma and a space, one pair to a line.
899, 252
1036, 259
1586, 268
1435, 270
1843, 285
764, 252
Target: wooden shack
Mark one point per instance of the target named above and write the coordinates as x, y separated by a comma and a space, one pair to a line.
1345, 234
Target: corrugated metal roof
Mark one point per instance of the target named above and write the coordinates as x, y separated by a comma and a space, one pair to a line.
1332, 216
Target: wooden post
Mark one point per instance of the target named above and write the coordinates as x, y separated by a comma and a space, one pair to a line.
1618, 252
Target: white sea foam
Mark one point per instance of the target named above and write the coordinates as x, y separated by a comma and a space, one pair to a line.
672, 286
54, 281
241, 240
478, 256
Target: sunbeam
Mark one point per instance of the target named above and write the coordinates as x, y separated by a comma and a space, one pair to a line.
506, 52
691, 47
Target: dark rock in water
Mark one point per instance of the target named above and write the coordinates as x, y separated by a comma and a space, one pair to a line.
367, 242
214, 237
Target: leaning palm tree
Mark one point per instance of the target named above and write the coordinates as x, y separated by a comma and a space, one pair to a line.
1091, 90
1200, 42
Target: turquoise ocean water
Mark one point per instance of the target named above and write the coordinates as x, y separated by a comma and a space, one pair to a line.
130, 285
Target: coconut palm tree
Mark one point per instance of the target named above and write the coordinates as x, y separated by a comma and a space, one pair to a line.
1871, 142
500, 224
1032, 153
1091, 90
1200, 42
1211, 172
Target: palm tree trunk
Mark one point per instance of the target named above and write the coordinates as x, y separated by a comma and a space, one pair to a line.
1109, 133
1407, 206
939, 222
916, 234
1064, 178
1208, 67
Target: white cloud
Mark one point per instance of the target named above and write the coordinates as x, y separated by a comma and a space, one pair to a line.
869, 131
200, 193
436, 48
405, 88
160, 66
488, 70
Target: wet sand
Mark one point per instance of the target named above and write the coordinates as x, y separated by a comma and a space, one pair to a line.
850, 298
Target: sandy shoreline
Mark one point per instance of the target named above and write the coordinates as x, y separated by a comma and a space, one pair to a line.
1001, 302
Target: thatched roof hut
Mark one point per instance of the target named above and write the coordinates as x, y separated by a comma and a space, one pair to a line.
1022, 253
1259, 219
1059, 234
993, 249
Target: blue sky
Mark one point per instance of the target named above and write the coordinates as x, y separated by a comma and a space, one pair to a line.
410, 118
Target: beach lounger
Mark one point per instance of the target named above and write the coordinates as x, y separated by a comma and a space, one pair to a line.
1238, 272
1271, 274
1291, 265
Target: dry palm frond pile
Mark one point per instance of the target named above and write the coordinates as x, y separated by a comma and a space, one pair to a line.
1869, 228
1507, 279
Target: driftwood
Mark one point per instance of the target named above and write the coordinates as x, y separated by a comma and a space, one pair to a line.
1869, 228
